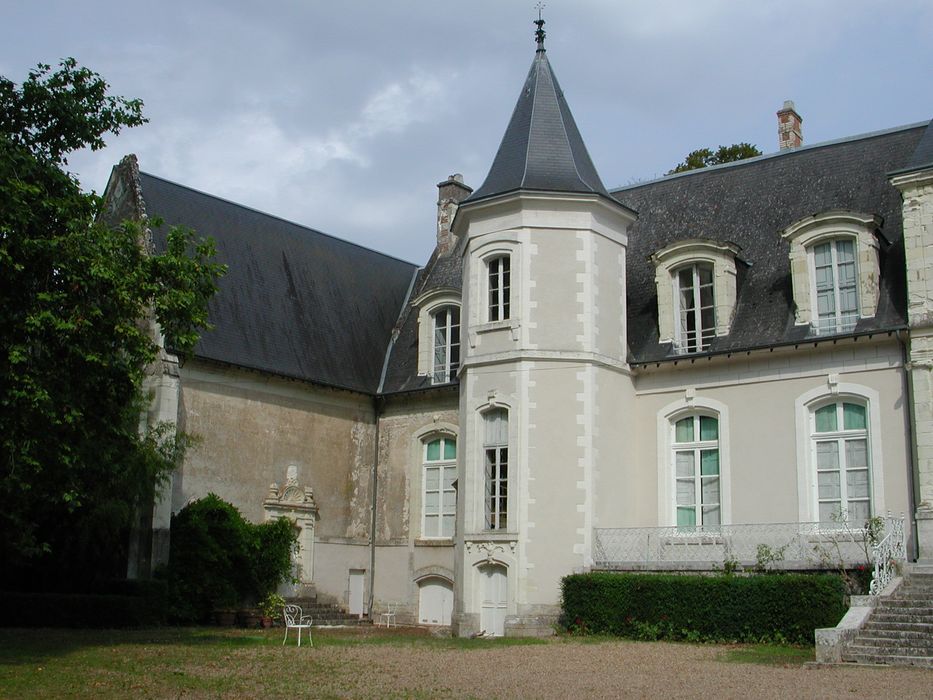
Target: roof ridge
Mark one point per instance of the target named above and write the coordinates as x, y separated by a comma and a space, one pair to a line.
768, 156
277, 218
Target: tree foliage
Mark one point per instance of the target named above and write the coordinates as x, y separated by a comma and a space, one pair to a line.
704, 157
74, 338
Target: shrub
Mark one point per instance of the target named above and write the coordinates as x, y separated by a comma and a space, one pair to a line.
767, 607
220, 560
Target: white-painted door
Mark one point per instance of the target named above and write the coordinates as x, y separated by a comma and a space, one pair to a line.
355, 606
435, 602
494, 596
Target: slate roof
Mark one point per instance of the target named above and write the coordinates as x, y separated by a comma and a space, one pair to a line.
295, 302
749, 203
922, 157
402, 368
542, 149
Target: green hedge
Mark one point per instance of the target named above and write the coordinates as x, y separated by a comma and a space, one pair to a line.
763, 607
82, 609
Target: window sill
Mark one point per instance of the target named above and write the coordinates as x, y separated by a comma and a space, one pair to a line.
434, 542
491, 326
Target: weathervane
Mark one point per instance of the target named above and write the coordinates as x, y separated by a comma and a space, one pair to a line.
539, 35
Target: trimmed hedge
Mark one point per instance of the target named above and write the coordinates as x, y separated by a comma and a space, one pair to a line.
763, 607
83, 609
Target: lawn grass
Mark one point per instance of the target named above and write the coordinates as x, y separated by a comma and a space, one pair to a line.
175, 661
767, 654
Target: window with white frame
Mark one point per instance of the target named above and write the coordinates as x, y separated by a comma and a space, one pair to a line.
439, 494
841, 453
835, 269
698, 493
835, 282
696, 312
499, 283
446, 322
496, 468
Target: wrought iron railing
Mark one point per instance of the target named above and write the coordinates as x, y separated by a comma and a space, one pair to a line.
765, 545
890, 552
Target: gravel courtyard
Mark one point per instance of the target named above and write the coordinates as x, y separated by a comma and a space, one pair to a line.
576, 669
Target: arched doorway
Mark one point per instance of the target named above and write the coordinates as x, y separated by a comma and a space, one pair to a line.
494, 596
435, 601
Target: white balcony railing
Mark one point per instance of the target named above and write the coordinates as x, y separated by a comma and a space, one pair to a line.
767, 546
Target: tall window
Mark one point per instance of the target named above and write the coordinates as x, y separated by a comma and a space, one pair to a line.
496, 458
836, 281
499, 283
440, 496
696, 471
446, 344
840, 451
695, 312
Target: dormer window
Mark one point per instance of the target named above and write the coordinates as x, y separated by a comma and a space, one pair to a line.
835, 282
499, 276
446, 341
696, 289
438, 334
696, 312
834, 269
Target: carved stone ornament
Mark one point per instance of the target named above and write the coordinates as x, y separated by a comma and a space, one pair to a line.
292, 499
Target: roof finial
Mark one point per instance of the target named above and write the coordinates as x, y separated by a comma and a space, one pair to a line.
539, 34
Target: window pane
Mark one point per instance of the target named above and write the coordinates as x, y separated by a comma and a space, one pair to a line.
829, 512
431, 502
706, 297
711, 516
858, 512
709, 462
826, 419
450, 449
827, 455
685, 464
709, 491
709, 428
447, 526
705, 273
856, 454
685, 493
828, 485
450, 475
857, 483
683, 430
434, 450
686, 517
845, 251
430, 525
853, 416
822, 254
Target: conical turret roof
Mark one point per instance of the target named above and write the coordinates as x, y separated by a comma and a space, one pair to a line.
542, 149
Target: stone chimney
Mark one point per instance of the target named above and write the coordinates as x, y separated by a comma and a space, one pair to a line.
790, 135
450, 193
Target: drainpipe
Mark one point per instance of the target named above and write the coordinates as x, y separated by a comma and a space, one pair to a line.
378, 403
912, 486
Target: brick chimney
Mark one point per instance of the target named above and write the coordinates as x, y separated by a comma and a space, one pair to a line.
790, 135
450, 193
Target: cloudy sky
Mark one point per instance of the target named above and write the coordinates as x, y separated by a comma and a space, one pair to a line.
343, 116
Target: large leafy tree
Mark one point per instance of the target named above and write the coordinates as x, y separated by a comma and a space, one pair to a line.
704, 157
77, 298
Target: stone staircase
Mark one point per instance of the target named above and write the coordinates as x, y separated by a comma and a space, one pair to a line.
900, 629
323, 614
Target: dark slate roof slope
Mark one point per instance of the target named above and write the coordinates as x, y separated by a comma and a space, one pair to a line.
922, 157
542, 148
749, 204
294, 302
402, 372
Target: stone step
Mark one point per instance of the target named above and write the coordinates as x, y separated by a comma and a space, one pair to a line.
874, 625
905, 632
886, 616
889, 659
918, 603
924, 644
906, 652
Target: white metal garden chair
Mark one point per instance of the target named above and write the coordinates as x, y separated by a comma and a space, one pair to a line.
295, 620
388, 617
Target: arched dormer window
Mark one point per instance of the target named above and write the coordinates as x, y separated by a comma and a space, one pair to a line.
696, 287
446, 344
439, 334
834, 269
